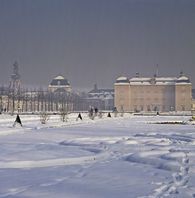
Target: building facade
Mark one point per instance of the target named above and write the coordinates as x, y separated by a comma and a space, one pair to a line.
153, 94
101, 98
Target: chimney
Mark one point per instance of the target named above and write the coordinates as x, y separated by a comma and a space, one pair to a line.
137, 75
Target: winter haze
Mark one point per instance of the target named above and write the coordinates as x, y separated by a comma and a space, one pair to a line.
95, 41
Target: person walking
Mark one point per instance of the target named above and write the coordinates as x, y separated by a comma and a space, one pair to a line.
18, 120
109, 115
80, 117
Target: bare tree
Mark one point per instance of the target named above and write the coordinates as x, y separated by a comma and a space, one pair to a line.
122, 111
115, 111
44, 117
100, 115
64, 114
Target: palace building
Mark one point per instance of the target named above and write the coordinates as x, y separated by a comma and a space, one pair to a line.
153, 94
59, 83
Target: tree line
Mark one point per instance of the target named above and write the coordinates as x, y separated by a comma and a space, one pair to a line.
39, 100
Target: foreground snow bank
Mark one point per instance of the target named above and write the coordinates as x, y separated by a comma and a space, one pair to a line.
111, 157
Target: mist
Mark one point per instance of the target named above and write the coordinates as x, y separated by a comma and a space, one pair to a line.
92, 41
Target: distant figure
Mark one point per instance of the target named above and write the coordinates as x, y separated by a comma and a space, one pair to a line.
157, 113
18, 120
91, 112
96, 110
109, 115
115, 111
80, 117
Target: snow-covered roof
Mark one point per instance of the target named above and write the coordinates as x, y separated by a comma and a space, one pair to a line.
158, 79
59, 81
139, 79
122, 79
166, 79
153, 80
183, 79
101, 91
59, 77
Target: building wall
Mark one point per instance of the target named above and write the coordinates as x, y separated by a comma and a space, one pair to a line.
122, 97
152, 97
193, 106
183, 97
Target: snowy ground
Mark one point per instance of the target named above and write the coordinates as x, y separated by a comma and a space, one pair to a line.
123, 157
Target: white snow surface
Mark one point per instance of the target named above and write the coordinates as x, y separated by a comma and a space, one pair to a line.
117, 157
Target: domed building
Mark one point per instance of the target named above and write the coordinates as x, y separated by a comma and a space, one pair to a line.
59, 83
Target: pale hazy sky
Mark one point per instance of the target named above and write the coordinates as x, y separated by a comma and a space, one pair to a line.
95, 41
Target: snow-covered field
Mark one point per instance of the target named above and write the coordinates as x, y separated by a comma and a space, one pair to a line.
123, 157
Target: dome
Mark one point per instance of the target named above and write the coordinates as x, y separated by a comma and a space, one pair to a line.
59, 77
122, 79
60, 81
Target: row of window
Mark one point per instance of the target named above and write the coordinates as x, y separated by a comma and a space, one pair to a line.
156, 108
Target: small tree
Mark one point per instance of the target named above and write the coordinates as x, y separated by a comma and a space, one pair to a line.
64, 114
115, 111
122, 111
100, 115
44, 117
91, 114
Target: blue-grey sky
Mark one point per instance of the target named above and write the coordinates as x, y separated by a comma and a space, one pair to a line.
95, 41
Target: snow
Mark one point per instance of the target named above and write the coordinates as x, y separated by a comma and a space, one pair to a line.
158, 81
130, 156
59, 77
122, 78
